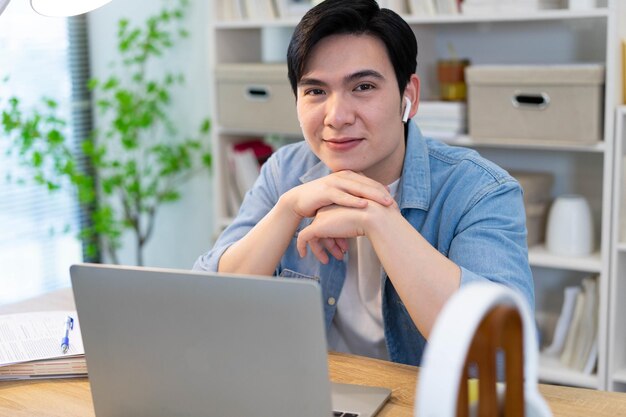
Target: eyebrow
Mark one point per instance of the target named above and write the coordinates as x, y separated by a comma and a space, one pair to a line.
347, 79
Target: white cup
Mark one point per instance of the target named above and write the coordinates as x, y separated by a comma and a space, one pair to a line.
570, 227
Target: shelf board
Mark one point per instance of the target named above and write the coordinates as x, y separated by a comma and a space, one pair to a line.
257, 24
560, 14
464, 140
552, 371
539, 256
256, 132
620, 376
557, 14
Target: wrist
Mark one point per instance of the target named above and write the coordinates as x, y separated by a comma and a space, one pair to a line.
286, 207
376, 218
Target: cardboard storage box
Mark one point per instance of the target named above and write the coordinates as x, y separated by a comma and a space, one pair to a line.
256, 97
537, 188
549, 103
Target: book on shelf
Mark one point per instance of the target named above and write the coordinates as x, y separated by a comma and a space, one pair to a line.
624, 71
486, 7
245, 170
292, 8
401, 7
30, 346
564, 321
575, 340
259, 9
422, 7
587, 333
450, 7
245, 160
573, 332
622, 178
230, 10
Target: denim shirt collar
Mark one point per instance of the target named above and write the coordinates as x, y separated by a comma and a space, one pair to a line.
318, 170
414, 191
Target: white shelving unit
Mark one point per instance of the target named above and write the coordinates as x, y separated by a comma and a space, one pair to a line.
617, 332
545, 37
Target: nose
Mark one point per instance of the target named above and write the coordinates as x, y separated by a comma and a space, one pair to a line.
340, 111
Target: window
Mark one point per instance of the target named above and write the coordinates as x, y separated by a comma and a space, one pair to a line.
42, 56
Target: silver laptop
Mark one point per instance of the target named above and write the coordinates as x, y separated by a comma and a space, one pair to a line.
166, 343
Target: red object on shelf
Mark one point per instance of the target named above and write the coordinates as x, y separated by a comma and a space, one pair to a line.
261, 150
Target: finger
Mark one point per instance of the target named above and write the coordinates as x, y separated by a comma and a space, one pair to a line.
318, 250
306, 238
331, 246
344, 197
301, 246
358, 185
316, 247
343, 244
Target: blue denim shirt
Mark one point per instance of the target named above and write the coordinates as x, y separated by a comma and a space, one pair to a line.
468, 208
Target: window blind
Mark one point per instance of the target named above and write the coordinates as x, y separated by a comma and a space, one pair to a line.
42, 56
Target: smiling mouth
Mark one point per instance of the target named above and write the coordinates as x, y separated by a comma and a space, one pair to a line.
342, 141
342, 144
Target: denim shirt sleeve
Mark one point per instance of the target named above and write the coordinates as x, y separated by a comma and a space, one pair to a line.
490, 239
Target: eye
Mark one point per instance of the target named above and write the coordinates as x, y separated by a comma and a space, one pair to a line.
364, 87
313, 92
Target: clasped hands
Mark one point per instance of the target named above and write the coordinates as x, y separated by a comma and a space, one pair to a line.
344, 205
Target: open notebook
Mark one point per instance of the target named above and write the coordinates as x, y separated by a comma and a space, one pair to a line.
30, 346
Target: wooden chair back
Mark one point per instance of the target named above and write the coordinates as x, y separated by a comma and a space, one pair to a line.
499, 331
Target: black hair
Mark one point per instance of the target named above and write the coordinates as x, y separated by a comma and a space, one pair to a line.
353, 17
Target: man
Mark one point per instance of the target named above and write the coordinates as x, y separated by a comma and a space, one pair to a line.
390, 223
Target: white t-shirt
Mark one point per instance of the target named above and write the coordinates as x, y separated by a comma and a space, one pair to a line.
358, 323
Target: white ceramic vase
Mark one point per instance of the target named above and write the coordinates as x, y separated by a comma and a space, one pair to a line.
570, 227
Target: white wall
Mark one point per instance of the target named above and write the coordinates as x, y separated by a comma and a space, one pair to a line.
183, 230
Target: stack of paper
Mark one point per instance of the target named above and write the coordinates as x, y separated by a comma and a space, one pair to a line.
442, 119
30, 346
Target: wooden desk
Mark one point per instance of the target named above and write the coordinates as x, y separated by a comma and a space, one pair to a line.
72, 397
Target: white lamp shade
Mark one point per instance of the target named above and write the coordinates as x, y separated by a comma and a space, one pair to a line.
3, 5
444, 357
65, 7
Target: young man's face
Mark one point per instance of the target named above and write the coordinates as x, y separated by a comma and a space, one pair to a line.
350, 108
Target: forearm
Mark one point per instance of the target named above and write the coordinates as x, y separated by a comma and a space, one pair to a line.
260, 250
423, 277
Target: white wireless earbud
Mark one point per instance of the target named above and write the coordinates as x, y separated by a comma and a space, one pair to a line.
407, 110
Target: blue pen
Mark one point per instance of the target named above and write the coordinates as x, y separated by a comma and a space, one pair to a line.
65, 342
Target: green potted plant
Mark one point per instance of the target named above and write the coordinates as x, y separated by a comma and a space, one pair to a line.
138, 159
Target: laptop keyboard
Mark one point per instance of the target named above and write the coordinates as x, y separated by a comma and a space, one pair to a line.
342, 414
